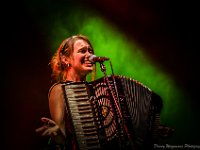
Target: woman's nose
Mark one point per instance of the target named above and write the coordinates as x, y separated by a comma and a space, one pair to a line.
88, 54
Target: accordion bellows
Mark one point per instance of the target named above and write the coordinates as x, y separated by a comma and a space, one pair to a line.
112, 112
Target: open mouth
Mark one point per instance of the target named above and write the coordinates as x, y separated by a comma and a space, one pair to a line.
88, 63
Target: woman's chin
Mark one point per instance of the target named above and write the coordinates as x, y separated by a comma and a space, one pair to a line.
87, 69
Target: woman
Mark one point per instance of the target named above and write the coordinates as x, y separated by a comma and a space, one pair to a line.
70, 63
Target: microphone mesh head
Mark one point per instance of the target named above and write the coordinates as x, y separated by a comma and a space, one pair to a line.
91, 58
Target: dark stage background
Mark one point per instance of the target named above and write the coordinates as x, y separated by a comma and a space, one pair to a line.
172, 40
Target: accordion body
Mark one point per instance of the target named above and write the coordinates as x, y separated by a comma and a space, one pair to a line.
113, 112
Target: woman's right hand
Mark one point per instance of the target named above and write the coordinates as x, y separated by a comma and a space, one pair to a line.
49, 128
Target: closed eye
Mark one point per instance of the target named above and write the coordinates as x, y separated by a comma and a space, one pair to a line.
85, 49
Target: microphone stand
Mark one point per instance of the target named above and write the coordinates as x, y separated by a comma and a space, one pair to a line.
115, 98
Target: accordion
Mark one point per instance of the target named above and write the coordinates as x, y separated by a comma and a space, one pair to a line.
112, 112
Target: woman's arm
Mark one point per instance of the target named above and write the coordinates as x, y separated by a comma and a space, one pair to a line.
57, 111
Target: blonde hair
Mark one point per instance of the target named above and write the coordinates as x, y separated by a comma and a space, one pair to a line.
66, 48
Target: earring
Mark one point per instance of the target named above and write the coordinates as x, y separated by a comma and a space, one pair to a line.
68, 65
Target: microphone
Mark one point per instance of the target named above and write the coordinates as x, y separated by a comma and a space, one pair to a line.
95, 58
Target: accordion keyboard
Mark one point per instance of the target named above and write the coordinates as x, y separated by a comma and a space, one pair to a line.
82, 116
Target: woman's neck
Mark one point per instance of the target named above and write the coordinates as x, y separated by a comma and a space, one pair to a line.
72, 76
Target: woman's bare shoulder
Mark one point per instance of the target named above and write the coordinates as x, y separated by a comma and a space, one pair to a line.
55, 89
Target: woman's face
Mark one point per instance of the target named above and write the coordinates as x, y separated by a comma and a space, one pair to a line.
80, 57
